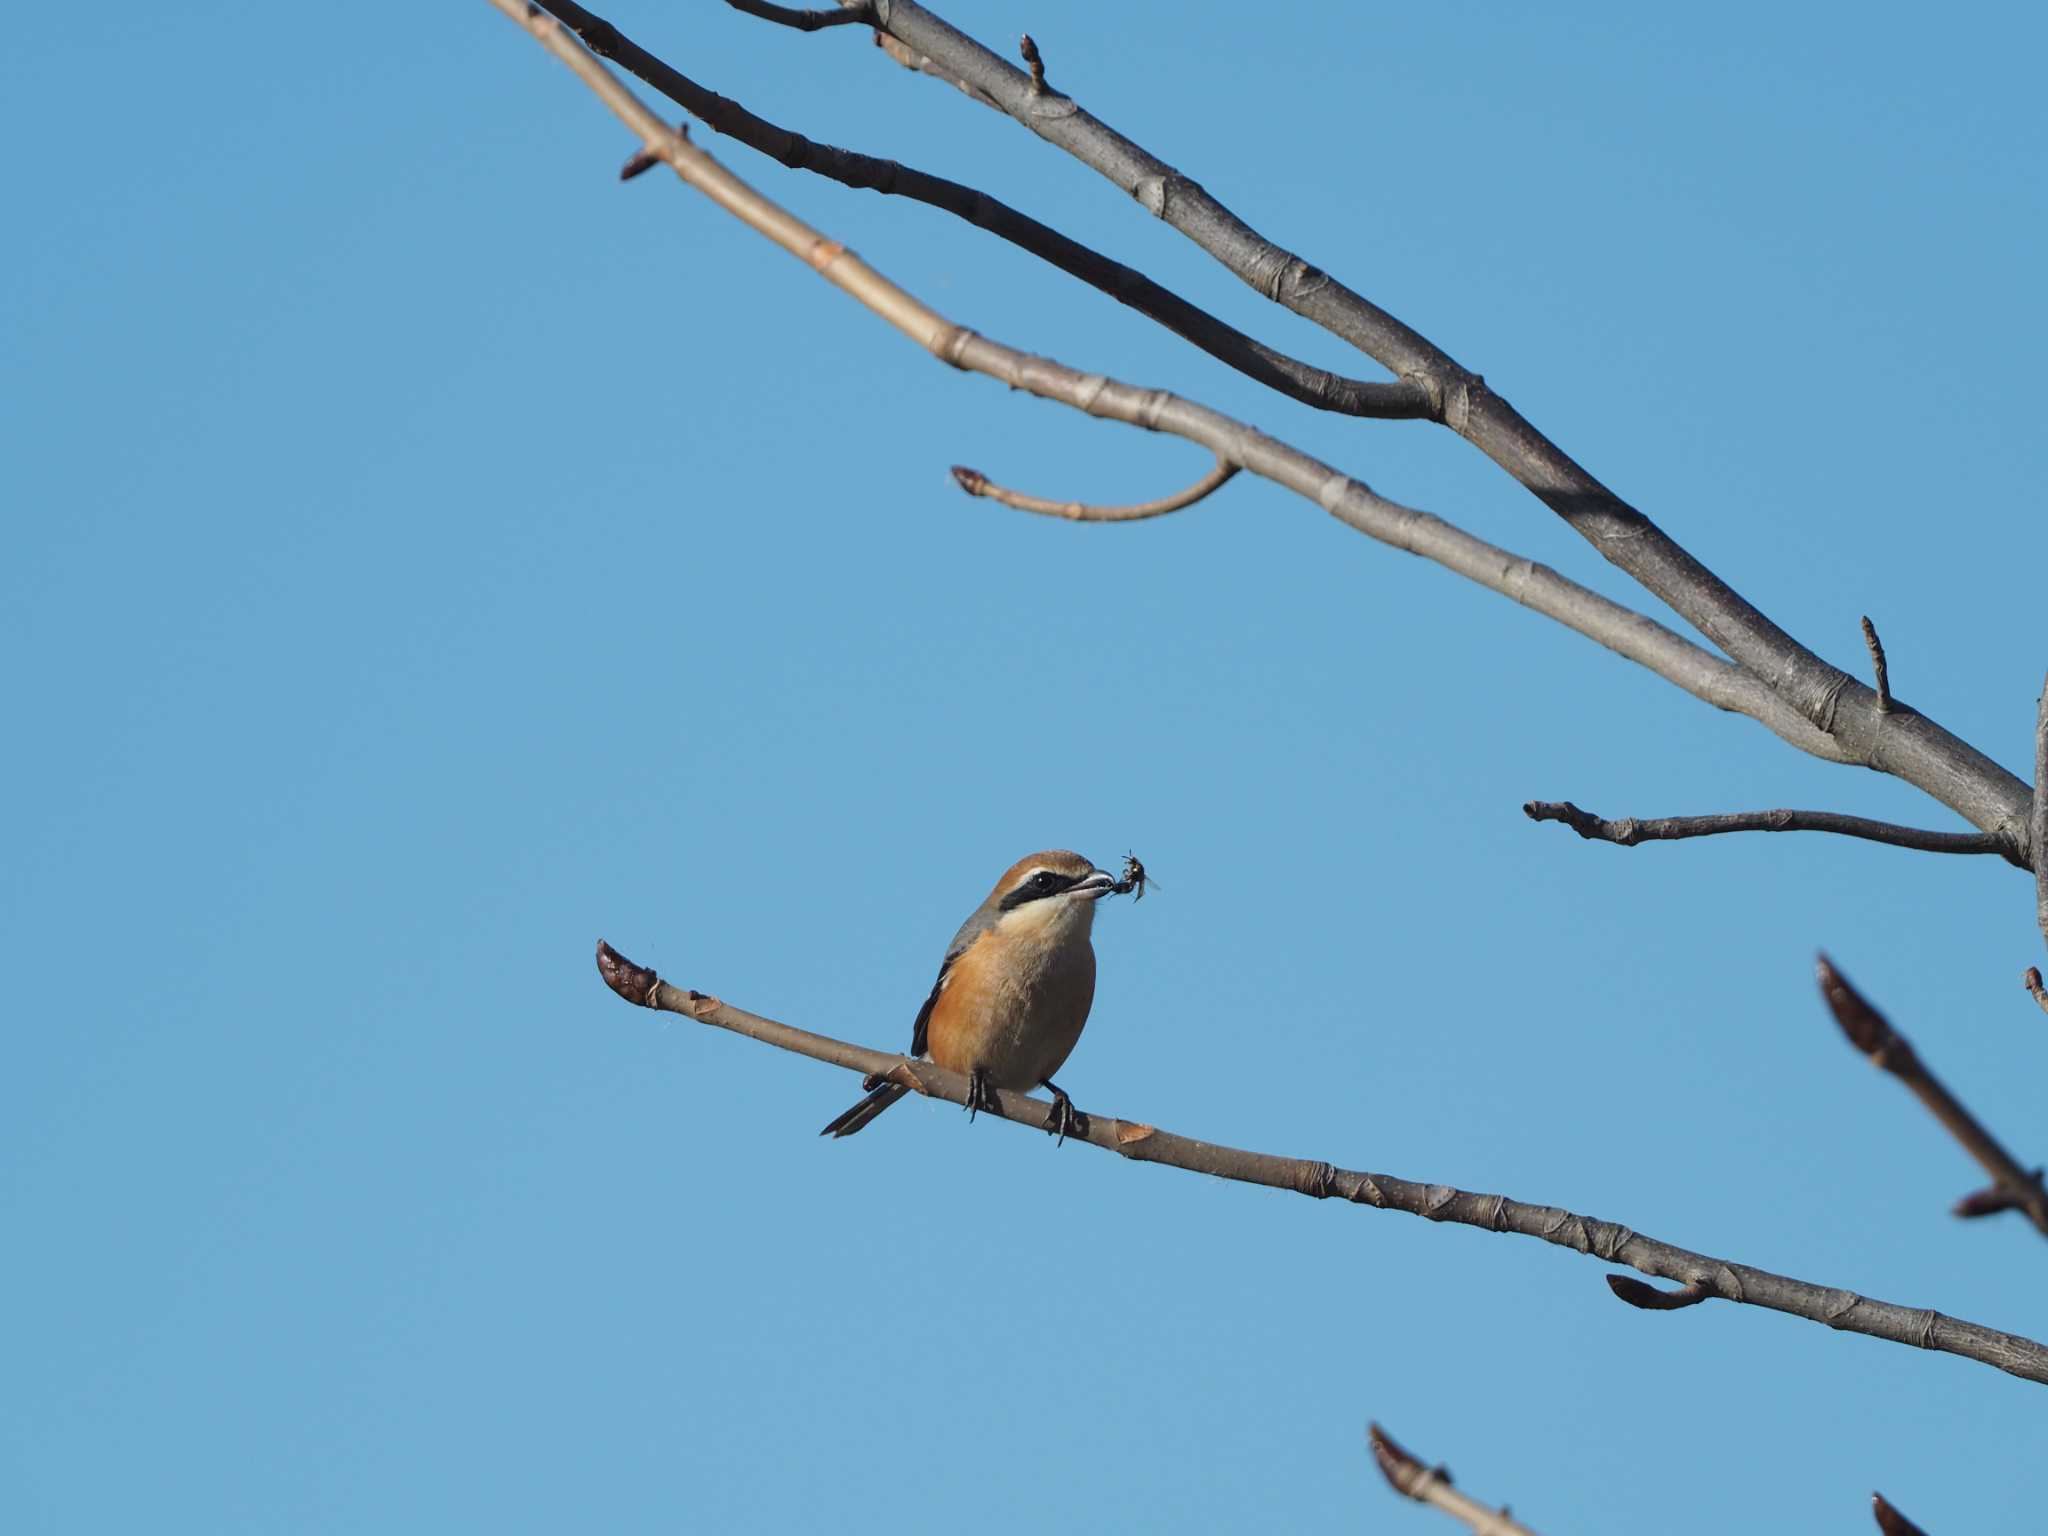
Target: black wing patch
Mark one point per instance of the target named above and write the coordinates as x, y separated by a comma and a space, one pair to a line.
918, 1042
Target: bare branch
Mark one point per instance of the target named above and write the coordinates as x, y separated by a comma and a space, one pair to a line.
1871, 1033
1432, 1485
2037, 818
1317, 387
1631, 830
1890, 1521
1139, 1142
804, 21
1627, 633
975, 483
1877, 666
1990, 1200
1908, 744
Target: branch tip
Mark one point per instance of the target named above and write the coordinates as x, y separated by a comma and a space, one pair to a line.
1650, 1299
1866, 1028
1889, 1520
635, 983
2031, 980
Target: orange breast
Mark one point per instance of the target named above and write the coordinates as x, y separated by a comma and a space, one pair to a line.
1012, 1012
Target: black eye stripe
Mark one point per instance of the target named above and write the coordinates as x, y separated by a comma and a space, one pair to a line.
1036, 885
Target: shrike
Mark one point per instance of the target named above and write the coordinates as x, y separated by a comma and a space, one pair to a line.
1013, 991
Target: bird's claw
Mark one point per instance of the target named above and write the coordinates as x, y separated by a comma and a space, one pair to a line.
1065, 1120
978, 1096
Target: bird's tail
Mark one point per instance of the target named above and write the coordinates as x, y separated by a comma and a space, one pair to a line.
865, 1110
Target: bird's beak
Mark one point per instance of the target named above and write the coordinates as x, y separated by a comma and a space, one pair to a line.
1098, 884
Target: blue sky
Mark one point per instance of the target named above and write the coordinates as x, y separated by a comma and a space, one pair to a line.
426, 556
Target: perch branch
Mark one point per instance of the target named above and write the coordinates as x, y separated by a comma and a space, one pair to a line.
1909, 745
1631, 830
1432, 1485
975, 483
1871, 1033
1289, 376
1878, 671
1622, 630
1607, 1241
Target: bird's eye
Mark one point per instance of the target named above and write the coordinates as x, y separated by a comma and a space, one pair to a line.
1042, 879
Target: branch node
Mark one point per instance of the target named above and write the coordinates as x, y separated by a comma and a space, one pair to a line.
1877, 666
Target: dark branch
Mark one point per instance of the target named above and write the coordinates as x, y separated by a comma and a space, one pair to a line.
1631, 830
1910, 746
1872, 1034
1877, 666
1289, 376
1650, 1299
803, 21
1890, 1521
1604, 1240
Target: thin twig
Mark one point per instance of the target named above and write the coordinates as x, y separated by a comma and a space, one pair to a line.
2037, 819
1890, 1521
804, 21
1871, 1033
1911, 747
1432, 1485
1631, 830
1317, 387
1604, 1240
1034, 62
975, 483
1636, 636
1877, 666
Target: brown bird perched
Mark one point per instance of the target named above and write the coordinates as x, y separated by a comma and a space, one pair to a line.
1013, 991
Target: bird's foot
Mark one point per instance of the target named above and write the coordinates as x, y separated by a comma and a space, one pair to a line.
1065, 1120
978, 1095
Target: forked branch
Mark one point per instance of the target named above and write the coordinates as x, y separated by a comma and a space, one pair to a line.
1624, 631
1901, 742
1290, 376
1138, 1142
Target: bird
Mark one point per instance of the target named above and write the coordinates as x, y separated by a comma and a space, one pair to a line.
1013, 991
